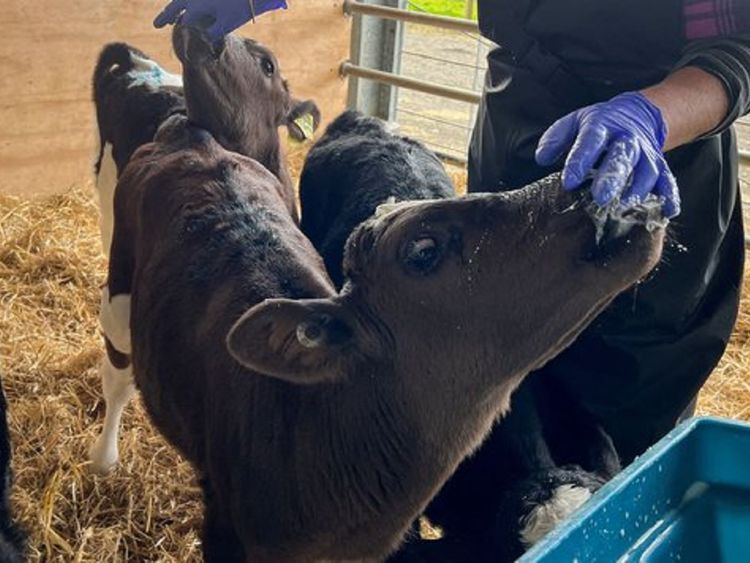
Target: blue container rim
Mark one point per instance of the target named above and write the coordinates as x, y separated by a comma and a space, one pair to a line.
621, 481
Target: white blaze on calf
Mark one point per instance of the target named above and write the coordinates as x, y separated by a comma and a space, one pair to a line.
114, 317
106, 181
544, 518
118, 389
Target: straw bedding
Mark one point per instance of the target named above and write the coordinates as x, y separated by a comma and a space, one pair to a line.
148, 509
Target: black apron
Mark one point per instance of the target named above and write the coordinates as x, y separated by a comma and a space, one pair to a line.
643, 360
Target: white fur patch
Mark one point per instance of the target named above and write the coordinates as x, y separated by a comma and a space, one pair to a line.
386, 207
114, 317
545, 517
106, 182
148, 72
390, 205
118, 388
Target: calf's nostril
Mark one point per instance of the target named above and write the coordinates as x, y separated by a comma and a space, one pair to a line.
614, 229
617, 220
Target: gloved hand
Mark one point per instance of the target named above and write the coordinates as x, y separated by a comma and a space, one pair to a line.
631, 131
227, 15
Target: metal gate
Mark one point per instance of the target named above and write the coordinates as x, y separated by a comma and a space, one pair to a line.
426, 77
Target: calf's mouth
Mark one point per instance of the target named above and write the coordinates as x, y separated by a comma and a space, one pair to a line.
192, 44
618, 227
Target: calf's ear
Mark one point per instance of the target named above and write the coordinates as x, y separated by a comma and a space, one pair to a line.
303, 119
300, 341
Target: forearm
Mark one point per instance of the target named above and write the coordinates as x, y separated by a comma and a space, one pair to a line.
692, 102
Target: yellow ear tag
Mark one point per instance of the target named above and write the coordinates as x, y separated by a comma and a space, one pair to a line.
306, 123
429, 531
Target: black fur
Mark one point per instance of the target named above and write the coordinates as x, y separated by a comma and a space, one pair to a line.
543, 443
352, 169
12, 538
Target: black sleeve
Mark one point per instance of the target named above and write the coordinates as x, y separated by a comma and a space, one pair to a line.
728, 59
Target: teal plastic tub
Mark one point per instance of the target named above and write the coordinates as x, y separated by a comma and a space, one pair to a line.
686, 500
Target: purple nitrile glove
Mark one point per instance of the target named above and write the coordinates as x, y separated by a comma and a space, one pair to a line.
629, 131
227, 15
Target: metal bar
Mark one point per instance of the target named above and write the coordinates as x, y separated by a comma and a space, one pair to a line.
435, 119
745, 157
460, 94
453, 159
438, 59
456, 150
375, 43
445, 22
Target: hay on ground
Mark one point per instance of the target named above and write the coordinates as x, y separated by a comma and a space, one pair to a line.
148, 509
51, 269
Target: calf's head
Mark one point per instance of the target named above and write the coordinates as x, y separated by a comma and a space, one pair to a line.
234, 89
453, 301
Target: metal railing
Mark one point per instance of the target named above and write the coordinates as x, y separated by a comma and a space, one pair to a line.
352, 7
399, 84
459, 94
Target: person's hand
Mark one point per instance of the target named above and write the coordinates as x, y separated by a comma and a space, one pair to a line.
627, 133
226, 15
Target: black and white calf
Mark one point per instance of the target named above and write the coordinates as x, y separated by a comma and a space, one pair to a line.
133, 95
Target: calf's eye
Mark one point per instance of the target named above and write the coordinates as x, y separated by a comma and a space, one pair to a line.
422, 255
267, 66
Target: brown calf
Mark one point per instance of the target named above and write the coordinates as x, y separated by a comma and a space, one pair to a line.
336, 417
235, 91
